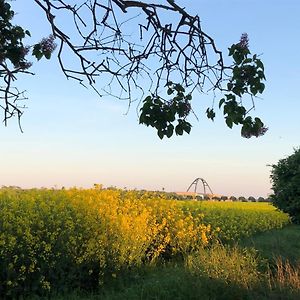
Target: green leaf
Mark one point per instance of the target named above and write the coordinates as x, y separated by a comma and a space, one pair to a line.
221, 102
238, 90
261, 87
171, 116
37, 51
148, 99
188, 97
170, 130
247, 60
229, 122
258, 121
246, 130
142, 119
187, 127
237, 57
248, 120
170, 91
179, 88
260, 64
7, 6
184, 109
160, 134
179, 129
253, 90
157, 101
232, 49
229, 86
38, 55
210, 113
47, 55
230, 96
236, 72
180, 96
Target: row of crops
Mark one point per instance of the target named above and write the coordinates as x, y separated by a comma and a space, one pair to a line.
64, 239
237, 220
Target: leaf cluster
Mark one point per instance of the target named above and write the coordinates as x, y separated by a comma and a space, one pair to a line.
285, 177
14, 60
45, 48
11, 36
168, 116
247, 73
11, 41
247, 79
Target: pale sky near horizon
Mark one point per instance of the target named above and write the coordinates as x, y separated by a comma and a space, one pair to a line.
73, 138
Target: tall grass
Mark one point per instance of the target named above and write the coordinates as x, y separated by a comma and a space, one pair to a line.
219, 272
228, 264
284, 276
272, 244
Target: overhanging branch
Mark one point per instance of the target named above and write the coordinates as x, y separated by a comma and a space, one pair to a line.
133, 45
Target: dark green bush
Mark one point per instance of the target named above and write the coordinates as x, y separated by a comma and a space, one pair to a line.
243, 199
285, 177
251, 199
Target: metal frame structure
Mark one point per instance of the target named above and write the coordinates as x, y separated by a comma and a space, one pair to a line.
204, 183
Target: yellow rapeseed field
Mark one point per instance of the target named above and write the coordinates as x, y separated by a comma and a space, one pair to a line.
77, 238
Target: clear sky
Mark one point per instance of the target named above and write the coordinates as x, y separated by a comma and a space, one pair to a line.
73, 138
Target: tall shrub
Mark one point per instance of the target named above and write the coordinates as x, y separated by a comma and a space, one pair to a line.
285, 177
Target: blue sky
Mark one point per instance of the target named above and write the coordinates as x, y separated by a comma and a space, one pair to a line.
74, 138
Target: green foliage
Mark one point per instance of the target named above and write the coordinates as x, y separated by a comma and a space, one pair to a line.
247, 79
11, 40
283, 242
285, 177
44, 48
14, 60
168, 116
229, 264
251, 199
218, 272
11, 45
242, 198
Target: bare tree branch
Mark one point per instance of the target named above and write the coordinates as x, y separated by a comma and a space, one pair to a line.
127, 48
134, 45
